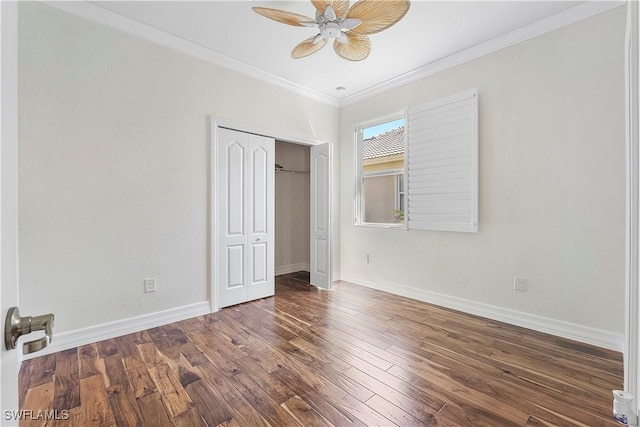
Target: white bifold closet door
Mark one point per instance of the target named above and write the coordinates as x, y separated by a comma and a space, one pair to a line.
321, 216
245, 209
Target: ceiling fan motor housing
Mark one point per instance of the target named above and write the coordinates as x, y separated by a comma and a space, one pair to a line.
330, 30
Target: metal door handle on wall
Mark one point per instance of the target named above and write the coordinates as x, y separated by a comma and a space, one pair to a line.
17, 326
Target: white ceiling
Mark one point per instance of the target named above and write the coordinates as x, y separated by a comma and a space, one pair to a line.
431, 31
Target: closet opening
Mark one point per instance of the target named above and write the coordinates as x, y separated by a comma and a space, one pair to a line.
292, 208
251, 240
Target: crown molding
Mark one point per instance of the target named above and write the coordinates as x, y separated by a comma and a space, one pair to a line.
554, 22
105, 17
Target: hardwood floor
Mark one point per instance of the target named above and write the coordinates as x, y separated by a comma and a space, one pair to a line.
349, 357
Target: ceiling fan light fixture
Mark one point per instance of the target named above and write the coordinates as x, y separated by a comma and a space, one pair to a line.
342, 38
329, 13
350, 23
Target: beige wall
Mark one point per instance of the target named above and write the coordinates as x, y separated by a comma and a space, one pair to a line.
380, 192
292, 208
552, 184
379, 199
113, 165
384, 163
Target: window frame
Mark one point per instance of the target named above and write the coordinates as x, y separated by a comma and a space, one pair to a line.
360, 175
399, 192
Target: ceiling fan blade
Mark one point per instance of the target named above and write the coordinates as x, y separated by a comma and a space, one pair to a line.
307, 47
377, 15
285, 17
339, 6
356, 49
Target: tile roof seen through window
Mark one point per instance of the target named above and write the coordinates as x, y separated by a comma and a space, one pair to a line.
383, 145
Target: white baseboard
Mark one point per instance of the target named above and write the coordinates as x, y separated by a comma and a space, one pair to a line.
292, 268
71, 339
547, 325
597, 337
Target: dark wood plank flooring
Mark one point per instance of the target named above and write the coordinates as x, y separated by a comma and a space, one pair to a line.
348, 357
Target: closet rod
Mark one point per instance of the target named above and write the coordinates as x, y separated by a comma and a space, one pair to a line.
291, 171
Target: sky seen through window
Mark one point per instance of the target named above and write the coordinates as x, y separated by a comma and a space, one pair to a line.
381, 128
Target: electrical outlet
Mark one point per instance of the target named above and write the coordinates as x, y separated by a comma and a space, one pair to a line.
366, 258
150, 285
519, 284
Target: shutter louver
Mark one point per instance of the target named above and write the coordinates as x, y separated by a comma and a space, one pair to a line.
442, 164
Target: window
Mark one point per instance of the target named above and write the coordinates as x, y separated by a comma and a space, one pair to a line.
380, 185
422, 174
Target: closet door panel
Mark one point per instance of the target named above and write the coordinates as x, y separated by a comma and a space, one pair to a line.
262, 218
321, 216
245, 217
231, 208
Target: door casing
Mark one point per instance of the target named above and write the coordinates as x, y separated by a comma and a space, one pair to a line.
632, 303
9, 360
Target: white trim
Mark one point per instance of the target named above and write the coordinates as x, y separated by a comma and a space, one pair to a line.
569, 16
105, 17
292, 268
263, 131
9, 271
214, 295
631, 355
547, 325
91, 334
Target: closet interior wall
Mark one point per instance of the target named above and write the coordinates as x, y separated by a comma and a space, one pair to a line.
292, 208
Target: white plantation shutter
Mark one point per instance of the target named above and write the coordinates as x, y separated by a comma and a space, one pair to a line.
442, 164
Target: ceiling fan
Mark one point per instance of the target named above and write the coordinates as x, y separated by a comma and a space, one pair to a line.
348, 26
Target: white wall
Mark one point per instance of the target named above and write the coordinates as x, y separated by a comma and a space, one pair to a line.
292, 208
113, 165
552, 184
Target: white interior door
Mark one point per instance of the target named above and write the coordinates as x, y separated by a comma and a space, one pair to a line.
632, 329
321, 216
9, 360
245, 211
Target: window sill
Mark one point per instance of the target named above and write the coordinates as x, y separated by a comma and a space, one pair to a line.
380, 225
